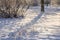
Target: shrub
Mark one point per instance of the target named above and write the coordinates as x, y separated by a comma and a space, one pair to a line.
10, 8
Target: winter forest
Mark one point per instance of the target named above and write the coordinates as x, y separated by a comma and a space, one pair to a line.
29, 19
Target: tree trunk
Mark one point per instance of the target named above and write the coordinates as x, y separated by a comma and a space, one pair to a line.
42, 5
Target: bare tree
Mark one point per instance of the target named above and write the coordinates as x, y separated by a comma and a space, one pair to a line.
42, 5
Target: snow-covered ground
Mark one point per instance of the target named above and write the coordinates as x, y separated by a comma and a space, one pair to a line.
34, 26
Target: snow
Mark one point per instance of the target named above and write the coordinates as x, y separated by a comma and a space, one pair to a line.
43, 26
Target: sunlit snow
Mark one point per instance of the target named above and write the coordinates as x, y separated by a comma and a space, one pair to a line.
44, 28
